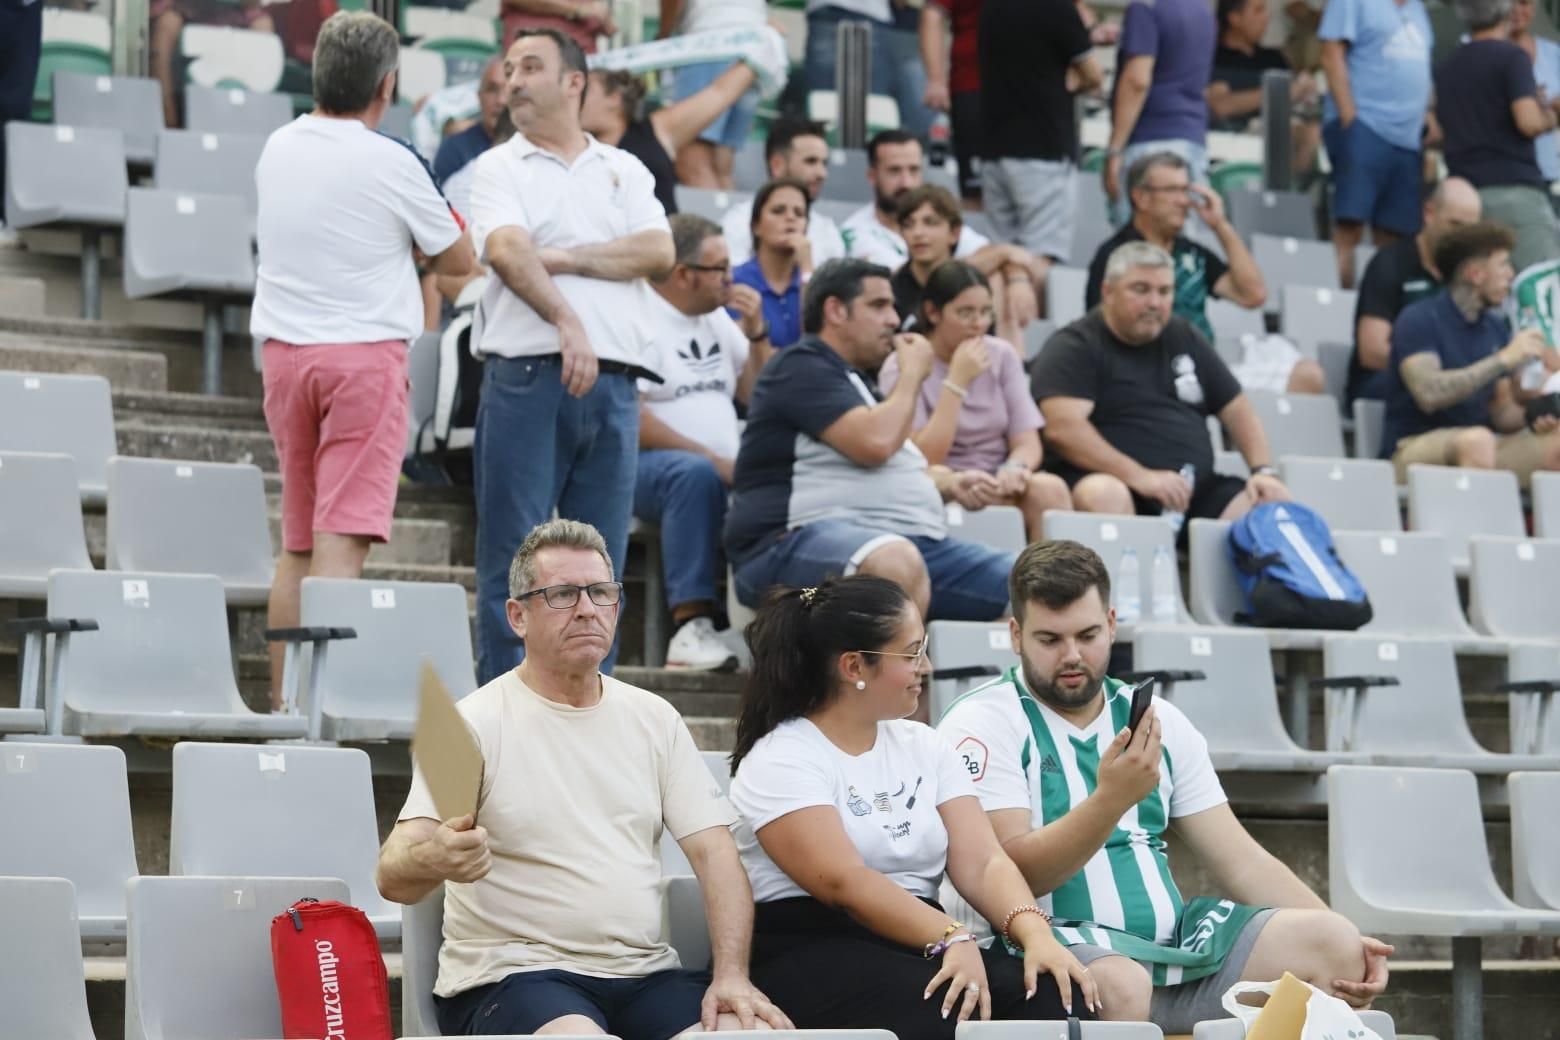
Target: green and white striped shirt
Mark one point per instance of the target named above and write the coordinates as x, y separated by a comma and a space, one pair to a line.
1022, 755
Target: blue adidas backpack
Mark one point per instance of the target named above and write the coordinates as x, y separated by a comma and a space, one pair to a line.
1290, 572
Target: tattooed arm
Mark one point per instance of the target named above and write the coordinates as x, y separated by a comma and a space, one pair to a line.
1434, 389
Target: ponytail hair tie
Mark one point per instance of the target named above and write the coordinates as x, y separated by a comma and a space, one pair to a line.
807, 596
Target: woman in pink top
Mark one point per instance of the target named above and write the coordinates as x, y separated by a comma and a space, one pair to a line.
974, 420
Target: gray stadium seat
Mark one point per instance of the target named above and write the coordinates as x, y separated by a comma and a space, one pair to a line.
1512, 587
422, 933
1334, 360
1236, 705
233, 110
847, 176
1535, 715
1457, 503
1036, 335
1407, 855
1289, 262
836, 210
965, 654
130, 105
1369, 418
1231, 464
1350, 494
1282, 214
195, 245
397, 121
1535, 840
68, 175
1000, 527
708, 202
1299, 424
687, 928
191, 518
306, 812
749, 168
1412, 588
1379, 1022
1111, 536
209, 163
40, 522
1091, 222
1310, 315
1418, 722
1064, 293
367, 686
1546, 505
673, 862
72, 804
1231, 321
66, 414
43, 990
974, 1030
160, 664
198, 960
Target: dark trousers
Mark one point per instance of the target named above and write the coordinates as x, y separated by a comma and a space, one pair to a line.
21, 40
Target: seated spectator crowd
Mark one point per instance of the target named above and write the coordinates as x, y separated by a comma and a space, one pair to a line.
860, 856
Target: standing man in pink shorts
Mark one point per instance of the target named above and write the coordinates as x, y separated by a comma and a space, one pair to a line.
342, 209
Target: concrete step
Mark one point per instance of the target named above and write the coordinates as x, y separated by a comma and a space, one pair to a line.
22, 295
124, 369
151, 439
412, 540
221, 413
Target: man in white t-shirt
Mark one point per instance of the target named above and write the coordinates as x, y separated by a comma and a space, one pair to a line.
552, 904
688, 427
571, 229
795, 148
895, 165
336, 301
1082, 803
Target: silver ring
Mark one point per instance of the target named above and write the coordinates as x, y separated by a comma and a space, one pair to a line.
973, 987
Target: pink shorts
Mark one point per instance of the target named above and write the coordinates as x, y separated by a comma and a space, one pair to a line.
338, 414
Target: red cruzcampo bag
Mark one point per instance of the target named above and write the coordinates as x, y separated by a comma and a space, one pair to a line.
330, 978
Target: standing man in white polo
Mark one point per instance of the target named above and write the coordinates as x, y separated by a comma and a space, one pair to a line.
571, 229
342, 209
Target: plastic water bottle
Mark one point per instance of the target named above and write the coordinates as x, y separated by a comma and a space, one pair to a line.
1532, 374
1129, 588
1176, 518
1161, 586
939, 140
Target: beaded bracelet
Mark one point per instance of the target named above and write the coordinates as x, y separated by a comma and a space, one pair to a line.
1027, 908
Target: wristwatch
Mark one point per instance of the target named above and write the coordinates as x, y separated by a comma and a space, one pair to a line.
1264, 471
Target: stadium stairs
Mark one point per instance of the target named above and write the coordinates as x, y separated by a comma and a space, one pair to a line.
151, 359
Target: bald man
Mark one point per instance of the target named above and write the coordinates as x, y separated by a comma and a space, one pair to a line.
1398, 275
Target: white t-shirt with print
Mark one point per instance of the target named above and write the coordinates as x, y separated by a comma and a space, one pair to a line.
700, 358
887, 800
867, 239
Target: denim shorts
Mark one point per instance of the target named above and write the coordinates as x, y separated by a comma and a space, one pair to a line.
1374, 182
731, 128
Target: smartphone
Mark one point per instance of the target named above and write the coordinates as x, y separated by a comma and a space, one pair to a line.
1142, 695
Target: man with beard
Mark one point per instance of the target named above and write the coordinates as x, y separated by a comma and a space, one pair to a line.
1082, 803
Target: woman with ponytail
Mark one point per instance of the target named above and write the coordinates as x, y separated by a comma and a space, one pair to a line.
851, 813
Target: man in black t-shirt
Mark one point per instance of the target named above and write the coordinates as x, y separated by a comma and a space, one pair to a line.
1398, 275
1034, 56
1235, 90
1490, 111
1125, 392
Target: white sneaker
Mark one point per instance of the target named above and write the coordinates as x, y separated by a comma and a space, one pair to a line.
697, 646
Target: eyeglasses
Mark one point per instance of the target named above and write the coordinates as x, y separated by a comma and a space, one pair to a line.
917, 657
713, 268
562, 597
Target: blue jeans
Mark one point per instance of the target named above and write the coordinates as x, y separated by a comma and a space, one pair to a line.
895, 58
21, 42
681, 494
538, 449
730, 129
969, 581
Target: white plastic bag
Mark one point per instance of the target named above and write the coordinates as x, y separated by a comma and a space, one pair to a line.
1326, 1017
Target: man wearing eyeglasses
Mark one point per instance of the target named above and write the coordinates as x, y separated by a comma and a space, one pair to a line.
688, 426
552, 905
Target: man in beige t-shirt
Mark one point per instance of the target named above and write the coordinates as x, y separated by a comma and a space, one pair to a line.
552, 907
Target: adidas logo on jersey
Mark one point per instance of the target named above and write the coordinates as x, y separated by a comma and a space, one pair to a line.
1048, 764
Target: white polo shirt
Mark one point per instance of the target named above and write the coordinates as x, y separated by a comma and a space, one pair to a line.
340, 209
823, 234
867, 239
605, 194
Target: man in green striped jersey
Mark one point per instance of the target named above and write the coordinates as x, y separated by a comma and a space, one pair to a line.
1081, 803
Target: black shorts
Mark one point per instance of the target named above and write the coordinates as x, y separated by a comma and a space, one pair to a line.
1212, 495
827, 972
655, 1007
965, 120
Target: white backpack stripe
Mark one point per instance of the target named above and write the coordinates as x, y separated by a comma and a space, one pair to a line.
1313, 563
